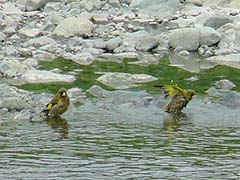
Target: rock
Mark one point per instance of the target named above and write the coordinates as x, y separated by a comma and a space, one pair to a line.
225, 84
184, 53
100, 19
97, 91
126, 55
113, 43
32, 5
99, 43
216, 22
41, 41
231, 36
10, 8
124, 80
157, 8
84, 58
146, 60
24, 114
209, 36
42, 76
235, 4
76, 95
232, 60
14, 103
146, 43
29, 31
30, 62
187, 38
12, 68
2, 37
73, 26
213, 92
131, 39
231, 99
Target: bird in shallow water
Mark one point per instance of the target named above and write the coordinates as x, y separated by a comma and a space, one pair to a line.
180, 97
58, 105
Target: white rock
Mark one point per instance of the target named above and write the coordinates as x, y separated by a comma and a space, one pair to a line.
187, 38
32, 5
42, 76
73, 26
41, 41
225, 84
10, 8
118, 80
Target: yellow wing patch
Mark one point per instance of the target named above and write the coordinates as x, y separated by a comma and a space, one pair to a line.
49, 106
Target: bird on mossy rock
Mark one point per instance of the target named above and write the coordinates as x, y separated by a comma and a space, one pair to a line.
58, 105
180, 97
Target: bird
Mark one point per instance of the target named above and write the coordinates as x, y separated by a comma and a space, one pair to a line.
180, 97
58, 104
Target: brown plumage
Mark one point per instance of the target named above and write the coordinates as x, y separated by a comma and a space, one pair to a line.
58, 105
180, 97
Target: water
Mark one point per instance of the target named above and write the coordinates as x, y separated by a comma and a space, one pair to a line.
121, 140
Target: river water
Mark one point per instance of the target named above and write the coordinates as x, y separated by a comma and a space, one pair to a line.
124, 139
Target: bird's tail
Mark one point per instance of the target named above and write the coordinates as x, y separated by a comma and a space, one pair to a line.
163, 88
44, 112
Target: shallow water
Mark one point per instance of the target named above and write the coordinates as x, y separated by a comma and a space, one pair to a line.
109, 139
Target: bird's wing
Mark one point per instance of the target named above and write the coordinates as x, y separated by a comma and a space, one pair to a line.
53, 101
171, 90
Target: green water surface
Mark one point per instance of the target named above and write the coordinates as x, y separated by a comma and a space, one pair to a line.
165, 74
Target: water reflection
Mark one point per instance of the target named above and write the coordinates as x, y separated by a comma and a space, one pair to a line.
59, 124
174, 124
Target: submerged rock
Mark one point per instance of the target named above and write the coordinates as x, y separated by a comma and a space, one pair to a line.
42, 76
225, 84
124, 80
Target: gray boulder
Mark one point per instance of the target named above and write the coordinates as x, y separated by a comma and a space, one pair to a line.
32, 5
231, 99
74, 26
42, 76
124, 80
147, 43
209, 36
187, 38
157, 8
216, 22
113, 43
232, 60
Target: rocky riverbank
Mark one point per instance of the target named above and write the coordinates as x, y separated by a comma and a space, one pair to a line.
111, 30
85, 31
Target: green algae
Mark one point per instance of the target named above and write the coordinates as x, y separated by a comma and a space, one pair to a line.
86, 75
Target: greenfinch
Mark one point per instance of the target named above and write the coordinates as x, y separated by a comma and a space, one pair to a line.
58, 105
180, 97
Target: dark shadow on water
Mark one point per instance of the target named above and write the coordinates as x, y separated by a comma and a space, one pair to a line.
59, 124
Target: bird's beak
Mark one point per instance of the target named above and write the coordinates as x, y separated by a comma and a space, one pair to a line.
64, 94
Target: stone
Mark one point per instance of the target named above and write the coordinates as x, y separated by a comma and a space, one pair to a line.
10, 8
187, 38
232, 60
42, 76
97, 91
74, 26
216, 22
83, 58
76, 95
213, 92
124, 80
113, 43
146, 43
231, 99
225, 84
32, 5
209, 36
41, 41
131, 39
